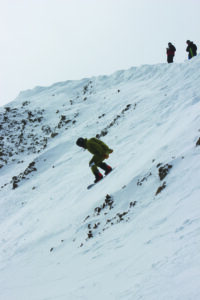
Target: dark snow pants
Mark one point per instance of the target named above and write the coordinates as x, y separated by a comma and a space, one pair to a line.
170, 58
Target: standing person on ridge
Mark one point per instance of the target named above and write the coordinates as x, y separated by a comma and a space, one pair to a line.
170, 53
100, 152
191, 49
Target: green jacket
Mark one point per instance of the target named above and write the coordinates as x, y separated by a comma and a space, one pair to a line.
97, 147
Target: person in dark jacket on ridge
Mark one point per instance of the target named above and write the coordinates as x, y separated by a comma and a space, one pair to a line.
191, 49
100, 152
170, 53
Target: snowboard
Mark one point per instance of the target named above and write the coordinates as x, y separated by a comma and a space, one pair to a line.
93, 184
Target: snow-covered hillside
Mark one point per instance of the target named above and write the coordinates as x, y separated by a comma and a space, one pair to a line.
134, 235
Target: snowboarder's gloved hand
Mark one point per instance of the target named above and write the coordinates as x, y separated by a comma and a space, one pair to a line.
106, 155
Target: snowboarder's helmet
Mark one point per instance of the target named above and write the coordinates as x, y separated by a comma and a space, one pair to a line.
80, 142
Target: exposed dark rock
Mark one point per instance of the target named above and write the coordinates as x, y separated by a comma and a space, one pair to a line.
140, 182
163, 171
46, 129
54, 134
97, 210
105, 130
96, 225
15, 185
85, 89
132, 204
104, 209
90, 235
162, 187
121, 215
103, 115
17, 179
25, 103
86, 218
198, 142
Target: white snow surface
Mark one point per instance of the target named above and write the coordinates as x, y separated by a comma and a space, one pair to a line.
59, 240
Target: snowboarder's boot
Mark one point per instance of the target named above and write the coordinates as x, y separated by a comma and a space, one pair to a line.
98, 177
106, 168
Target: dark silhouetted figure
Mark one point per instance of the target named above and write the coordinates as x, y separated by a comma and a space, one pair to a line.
170, 53
191, 49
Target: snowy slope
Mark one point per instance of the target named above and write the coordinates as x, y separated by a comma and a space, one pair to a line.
136, 234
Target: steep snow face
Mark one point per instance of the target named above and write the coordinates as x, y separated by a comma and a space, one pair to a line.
136, 234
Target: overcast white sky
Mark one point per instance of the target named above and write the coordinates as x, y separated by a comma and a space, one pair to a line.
47, 41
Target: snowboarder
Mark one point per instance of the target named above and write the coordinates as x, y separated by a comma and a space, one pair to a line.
170, 53
100, 152
191, 49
